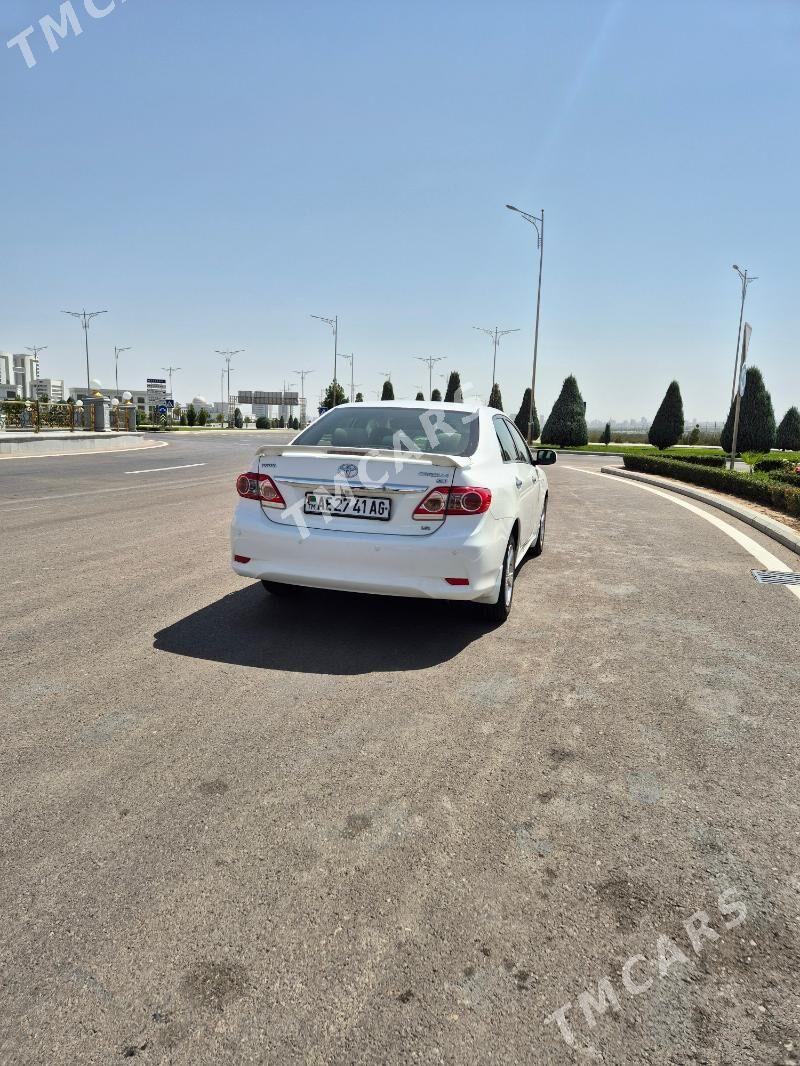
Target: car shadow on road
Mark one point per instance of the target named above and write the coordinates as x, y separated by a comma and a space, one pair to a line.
320, 632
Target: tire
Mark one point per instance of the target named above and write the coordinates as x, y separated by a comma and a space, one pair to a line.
538, 547
278, 588
501, 608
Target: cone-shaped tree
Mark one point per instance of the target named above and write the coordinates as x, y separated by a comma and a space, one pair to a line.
787, 437
522, 421
605, 436
667, 427
419, 396
566, 425
388, 391
756, 418
191, 415
453, 386
329, 400
238, 421
495, 399
359, 397
436, 396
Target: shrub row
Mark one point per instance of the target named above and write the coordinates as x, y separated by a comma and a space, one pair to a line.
699, 460
765, 466
759, 488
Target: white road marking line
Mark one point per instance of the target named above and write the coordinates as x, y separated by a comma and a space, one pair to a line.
158, 469
766, 558
94, 451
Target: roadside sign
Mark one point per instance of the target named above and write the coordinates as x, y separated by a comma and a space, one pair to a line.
156, 391
170, 404
162, 410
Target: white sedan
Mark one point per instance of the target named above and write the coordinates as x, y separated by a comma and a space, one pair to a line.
436, 500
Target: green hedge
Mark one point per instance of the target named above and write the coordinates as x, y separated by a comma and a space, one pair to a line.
766, 466
699, 460
760, 488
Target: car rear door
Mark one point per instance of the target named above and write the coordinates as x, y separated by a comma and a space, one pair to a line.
532, 486
519, 475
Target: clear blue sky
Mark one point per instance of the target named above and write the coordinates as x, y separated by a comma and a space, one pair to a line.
214, 173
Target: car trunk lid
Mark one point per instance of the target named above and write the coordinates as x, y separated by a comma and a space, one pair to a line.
369, 490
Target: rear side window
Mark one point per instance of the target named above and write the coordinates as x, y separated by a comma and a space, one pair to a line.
508, 448
523, 451
398, 428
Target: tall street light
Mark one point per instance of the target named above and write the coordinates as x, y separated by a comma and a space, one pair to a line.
350, 357
495, 334
537, 221
169, 370
228, 355
85, 317
303, 374
429, 361
35, 353
334, 324
117, 353
745, 279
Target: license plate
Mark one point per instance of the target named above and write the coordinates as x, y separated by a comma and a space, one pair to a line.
342, 506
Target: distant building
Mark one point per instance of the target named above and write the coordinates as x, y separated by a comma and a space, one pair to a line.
138, 396
52, 388
18, 372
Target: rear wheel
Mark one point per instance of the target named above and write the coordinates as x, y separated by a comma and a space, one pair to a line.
278, 588
501, 608
538, 547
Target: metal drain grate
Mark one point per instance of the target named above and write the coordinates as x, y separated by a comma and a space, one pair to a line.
775, 577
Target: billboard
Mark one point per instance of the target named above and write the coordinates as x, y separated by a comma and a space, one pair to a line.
289, 399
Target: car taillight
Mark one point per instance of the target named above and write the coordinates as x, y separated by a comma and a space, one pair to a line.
259, 487
453, 501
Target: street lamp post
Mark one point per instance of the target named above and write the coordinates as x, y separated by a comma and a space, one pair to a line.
228, 355
35, 352
350, 358
334, 324
537, 221
170, 370
85, 317
429, 361
495, 334
117, 353
745, 280
303, 375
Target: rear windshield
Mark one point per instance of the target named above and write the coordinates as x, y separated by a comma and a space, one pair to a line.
359, 426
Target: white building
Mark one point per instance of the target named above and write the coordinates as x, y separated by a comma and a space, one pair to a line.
19, 372
138, 396
52, 388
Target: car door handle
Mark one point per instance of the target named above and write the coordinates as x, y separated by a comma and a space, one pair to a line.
519, 483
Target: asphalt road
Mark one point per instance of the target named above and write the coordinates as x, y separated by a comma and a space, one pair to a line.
349, 830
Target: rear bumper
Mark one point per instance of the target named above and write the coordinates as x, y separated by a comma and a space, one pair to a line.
382, 564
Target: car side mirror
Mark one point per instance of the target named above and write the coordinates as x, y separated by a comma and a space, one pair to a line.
545, 456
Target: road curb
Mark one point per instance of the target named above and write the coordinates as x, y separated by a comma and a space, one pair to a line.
785, 536
29, 450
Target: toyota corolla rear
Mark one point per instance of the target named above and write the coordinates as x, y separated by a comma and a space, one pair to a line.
386, 500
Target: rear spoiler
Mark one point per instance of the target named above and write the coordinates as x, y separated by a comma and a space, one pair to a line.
430, 458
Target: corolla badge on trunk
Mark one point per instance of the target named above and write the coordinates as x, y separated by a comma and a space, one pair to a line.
348, 470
